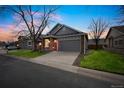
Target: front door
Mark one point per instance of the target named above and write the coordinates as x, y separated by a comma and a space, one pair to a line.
53, 45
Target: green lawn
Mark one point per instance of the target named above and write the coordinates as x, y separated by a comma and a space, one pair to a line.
25, 53
103, 60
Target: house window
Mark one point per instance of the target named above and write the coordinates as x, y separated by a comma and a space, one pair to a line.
120, 42
29, 43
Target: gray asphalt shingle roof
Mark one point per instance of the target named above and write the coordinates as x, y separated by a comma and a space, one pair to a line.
119, 28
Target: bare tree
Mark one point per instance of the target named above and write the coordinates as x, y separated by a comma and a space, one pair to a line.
34, 20
97, 28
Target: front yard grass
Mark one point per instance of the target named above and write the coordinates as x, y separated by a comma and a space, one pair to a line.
104, 61
25, 53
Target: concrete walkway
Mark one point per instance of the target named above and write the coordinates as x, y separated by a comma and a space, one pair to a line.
55, 57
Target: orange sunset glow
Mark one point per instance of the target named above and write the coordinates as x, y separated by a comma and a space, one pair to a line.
6, 35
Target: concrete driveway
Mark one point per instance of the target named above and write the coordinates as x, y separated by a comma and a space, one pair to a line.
55, 57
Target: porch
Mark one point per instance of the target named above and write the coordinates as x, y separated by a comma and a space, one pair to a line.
48, 44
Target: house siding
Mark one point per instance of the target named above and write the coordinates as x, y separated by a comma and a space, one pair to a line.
24, 44
114, 33
115, 45
66, 31
119, 45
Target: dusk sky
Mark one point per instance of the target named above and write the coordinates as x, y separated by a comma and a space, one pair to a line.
78, 17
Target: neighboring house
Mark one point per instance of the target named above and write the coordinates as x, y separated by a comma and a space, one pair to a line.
92, 44
24, 42
64, 38
2, 44
115, 39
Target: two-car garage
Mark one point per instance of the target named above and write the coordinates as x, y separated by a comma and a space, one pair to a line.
72, 43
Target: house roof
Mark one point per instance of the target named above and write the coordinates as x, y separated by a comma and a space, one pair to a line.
118, 28
56, 29
59, 26
22, 37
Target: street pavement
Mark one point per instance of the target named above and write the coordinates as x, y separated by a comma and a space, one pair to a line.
17, 73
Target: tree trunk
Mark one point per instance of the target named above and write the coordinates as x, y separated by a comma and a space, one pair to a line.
97, 44
34, 48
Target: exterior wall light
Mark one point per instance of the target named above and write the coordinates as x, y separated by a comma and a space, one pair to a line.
40, 44
55, 41
17, 45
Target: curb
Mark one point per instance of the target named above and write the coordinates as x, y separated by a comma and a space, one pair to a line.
110, 77
106, 76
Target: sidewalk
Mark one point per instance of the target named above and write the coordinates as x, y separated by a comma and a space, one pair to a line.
3, 51
110, 77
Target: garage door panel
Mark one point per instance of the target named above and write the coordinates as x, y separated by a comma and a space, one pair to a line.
69, 45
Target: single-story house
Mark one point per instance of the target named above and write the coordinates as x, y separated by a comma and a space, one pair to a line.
115, 39
2, 44
63, 38
24, 42
92, 45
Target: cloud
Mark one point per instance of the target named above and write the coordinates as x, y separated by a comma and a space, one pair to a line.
10, 27
37, 22
104, 34
55, 17
46, 30
52, 15
1, 30
6, 35
7, 32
